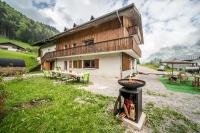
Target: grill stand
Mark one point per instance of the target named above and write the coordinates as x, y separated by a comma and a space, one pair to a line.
136, 97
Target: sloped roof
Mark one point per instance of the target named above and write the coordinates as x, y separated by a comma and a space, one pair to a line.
129, 10
186, 57
189, 57
175, 61
10, 43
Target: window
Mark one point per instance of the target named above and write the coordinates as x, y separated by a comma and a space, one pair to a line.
91, 63
89, 42
79, 63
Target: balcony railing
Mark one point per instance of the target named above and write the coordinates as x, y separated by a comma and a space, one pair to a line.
105, 46
135, 32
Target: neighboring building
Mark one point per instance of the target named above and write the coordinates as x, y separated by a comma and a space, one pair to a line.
11, 47
195, 59
104, 46
191, 58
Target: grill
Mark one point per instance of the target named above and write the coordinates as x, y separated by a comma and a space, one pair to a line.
129, 102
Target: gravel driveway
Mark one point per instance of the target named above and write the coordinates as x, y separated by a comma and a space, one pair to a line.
187, 104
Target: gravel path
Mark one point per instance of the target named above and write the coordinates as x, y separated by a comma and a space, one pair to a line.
187, 104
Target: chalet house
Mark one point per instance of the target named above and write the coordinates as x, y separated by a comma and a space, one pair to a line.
104, 46
11, 47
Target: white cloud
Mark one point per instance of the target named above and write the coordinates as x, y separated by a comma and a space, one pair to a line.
165, 22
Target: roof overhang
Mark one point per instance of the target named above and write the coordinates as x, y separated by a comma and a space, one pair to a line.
129, 11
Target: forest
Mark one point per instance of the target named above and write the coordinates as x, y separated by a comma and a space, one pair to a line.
15, 25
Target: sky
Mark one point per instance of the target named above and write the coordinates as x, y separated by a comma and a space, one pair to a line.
165, 22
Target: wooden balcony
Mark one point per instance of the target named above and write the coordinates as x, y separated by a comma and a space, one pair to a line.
135, 32
105, 46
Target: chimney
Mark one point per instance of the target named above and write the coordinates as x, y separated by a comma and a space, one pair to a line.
92, 17
74, 25
65, 28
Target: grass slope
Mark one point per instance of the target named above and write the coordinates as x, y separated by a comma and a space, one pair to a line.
180, 87
63, 114
30, 59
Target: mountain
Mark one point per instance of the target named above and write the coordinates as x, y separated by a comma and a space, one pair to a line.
15, 25
175, 51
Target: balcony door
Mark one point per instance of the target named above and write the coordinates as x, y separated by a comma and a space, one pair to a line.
65, 65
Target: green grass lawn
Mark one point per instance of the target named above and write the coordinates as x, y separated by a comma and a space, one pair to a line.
155, 67
19, 43
30, 59
180, 87
152, 66
166, 120
69, 110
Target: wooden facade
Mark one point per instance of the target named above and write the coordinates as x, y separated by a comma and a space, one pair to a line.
107, 31
113, 35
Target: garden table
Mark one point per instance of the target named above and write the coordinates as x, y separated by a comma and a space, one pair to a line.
77, 76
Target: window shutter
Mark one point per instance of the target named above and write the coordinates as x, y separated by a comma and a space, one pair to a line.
79, 63
126, 62
70, 64
96, 63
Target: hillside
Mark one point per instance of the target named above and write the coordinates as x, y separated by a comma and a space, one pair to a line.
28, 57
175, 51
15, 25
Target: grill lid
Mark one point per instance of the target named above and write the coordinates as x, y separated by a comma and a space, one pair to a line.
131, 84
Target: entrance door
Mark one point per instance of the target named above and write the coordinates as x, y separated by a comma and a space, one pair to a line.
65, 65
52, 65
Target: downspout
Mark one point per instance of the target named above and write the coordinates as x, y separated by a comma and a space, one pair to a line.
121, 74
119, 18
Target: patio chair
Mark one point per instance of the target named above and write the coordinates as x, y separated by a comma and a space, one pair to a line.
172, 78
182, 76
58, 68
85, 77
46, 74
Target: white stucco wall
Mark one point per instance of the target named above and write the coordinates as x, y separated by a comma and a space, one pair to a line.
109, 65
48, 49
126, 73
10, 48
